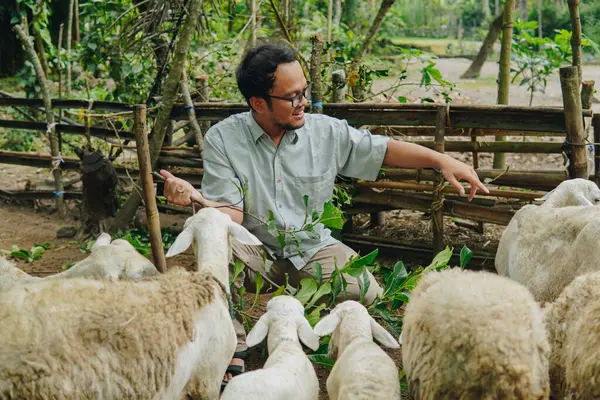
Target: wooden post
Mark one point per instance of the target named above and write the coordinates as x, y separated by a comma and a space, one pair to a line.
587, 93
143, 151
596, 126
576, 37
316, 93
437, 216
569, 83
473, 133
338, 81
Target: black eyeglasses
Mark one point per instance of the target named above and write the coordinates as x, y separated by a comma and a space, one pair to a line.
297, 98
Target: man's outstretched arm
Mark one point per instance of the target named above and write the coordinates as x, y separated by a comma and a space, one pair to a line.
411, 155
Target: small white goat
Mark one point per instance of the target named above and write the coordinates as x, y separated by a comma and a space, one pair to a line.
572, 192
84, 338
363, 371
287, 373
116, 260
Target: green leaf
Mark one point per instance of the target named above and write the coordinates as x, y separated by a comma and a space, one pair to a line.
36, 252
332, 217
396, 278
368, 259
440, 260
323, 290
364, 286
259, 282
465, 256
402, 99
280, 291
281, 238
321, 359
305, 200
137, 68
315, 315
318, 271
238, 267
308, 288
272, 225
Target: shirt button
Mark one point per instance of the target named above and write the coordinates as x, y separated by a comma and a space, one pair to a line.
280, 205
278, 180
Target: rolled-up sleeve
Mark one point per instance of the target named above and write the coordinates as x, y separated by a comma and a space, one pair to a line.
219, 181
360, 153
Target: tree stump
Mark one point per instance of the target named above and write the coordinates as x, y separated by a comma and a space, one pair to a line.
99, 203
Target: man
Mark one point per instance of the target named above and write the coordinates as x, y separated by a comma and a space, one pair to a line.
278, 155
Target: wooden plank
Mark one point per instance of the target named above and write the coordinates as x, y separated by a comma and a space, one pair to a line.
65, 128
20, 195
410, 131
481, 146
536, 180
96, 105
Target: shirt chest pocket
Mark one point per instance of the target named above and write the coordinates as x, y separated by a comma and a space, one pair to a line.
319, 189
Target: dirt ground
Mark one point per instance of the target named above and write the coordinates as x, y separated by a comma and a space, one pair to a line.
28, 223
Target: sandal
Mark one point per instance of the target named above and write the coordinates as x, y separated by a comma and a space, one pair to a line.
235, 370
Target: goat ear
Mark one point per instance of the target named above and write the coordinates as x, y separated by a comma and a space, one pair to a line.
383, 337
328, 324
307, 335
259, 331
243, 235
181, 243
103, 240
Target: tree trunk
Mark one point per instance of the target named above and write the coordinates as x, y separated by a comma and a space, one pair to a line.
539, 10
576, 36
329, 19
523, 10
69, 37
497, 11
56, 171
253, 26
383, 9
39, 44
76, 11
337, 12
315, 73
485, 6
231, 8
157, 136
486, 48
504, 70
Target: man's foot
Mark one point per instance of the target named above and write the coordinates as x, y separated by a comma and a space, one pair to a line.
236, 366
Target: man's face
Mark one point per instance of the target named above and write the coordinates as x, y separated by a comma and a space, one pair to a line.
289, 82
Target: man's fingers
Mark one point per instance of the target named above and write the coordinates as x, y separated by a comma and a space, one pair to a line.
454, 182
166, 174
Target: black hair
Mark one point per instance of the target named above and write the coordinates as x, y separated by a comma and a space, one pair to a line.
256, 73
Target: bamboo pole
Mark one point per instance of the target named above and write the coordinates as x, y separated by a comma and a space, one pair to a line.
576, 38
437, 217
202, 88
511, 194
76, 12
69, 40
143, 150
56, 158
596, 125
504, 70
329, 20
569, 83
315, 73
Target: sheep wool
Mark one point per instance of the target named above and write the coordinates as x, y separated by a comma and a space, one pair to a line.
572, 321
82, 338
474, 335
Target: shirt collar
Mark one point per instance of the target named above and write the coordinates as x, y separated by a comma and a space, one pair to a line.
257, 131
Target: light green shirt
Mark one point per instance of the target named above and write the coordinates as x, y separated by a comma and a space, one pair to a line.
238, 153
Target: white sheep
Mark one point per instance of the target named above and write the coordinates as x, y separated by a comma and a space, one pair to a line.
287, 373
544, 248
474, 335
85, 338
116, 260
362, 371
572, 322
572, 192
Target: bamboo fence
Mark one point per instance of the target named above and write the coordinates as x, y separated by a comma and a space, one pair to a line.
396, 188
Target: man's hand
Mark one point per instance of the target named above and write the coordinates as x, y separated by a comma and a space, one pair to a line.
454, 171
180, 192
